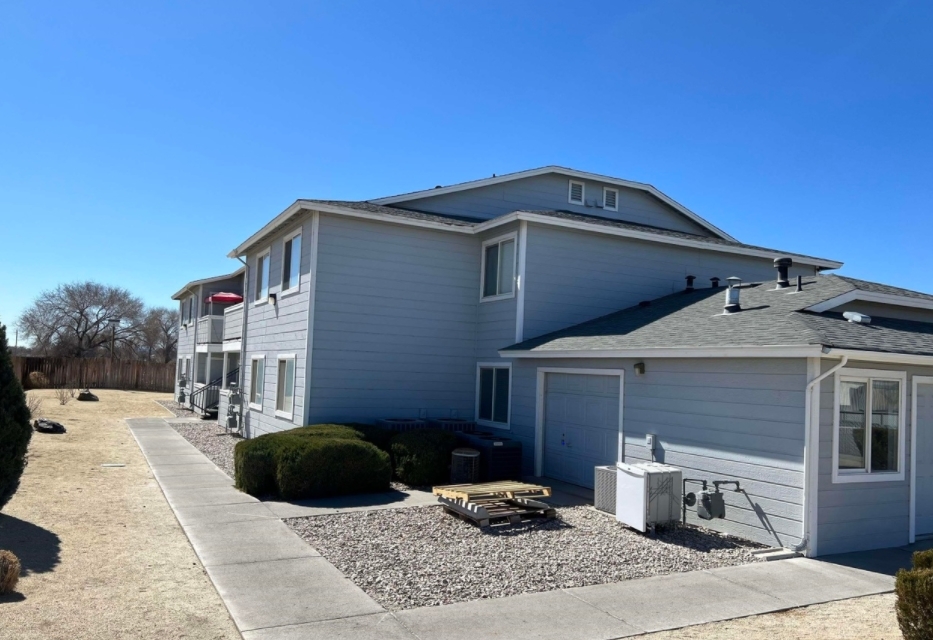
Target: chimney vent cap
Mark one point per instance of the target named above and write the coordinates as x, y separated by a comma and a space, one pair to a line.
783, 262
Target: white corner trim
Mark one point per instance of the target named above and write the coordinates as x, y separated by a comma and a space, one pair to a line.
571, 173
852, 477
811, 455
917, 381
540, 405
520, 282
488, 423
775, 351
309, 335
870, 296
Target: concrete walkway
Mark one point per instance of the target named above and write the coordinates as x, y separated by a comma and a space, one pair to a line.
277, 587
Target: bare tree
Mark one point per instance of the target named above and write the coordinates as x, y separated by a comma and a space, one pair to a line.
74, 319
158, 335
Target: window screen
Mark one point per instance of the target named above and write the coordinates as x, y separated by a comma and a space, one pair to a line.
494, 394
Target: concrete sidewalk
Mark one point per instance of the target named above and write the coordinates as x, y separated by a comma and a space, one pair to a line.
277, 587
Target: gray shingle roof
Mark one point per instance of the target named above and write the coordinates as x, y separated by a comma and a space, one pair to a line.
768, 318
453, 221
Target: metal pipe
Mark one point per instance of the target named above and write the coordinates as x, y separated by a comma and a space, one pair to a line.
243, 340
683, 495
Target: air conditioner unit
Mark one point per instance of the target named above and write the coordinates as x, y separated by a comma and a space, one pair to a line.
648, 494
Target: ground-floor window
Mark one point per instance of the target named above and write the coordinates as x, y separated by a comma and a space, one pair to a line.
285, 387
868, 437
493, 394
257, 374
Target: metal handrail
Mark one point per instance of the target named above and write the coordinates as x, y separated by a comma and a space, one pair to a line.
209, 395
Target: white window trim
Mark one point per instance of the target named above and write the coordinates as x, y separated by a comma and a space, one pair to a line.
283, 292
284, 357
224, 390
482, 271
505, 426
616, 191
853, 476
582, 192
540, 393
259, 256
249, 395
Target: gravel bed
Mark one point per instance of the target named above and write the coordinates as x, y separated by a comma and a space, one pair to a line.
212, 440
178, 410
406, 558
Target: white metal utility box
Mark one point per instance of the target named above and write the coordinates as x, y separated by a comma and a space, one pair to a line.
648, 494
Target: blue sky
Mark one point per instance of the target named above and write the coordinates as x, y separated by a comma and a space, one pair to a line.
140, 143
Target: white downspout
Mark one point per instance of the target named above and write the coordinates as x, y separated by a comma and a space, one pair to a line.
811, 449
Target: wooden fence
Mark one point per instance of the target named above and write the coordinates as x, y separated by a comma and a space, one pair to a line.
95, 373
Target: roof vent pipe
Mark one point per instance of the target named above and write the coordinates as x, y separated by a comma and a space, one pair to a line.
690, 280
799, 284
782, 265
715, 282
732, 295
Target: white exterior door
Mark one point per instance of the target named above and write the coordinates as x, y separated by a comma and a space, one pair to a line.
582, 425
924, 461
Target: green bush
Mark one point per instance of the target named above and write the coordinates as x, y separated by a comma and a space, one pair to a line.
915, 603
332, 466
923, 559
15, 430
311, 462
422, 456
374, 435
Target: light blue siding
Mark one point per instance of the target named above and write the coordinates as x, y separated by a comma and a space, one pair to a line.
279, 329
574, 276
549, 192
866, 515
395, 327
728, 419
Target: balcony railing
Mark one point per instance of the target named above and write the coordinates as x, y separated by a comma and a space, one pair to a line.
233, 322
210, 329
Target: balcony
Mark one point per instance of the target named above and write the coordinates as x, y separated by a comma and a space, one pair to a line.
233, 322
210, 329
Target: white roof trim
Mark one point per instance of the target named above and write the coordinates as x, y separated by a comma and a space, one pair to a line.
306, 205
880, 356
870, 296
573, 173
771, 351
195, 283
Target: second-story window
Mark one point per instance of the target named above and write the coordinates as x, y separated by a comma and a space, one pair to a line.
499, 267
291, 262
262, 277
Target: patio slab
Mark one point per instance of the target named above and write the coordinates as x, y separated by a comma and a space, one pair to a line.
288, 592
552, 615
378, 625
250, 541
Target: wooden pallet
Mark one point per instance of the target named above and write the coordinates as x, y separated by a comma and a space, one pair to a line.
503, 489
495, 503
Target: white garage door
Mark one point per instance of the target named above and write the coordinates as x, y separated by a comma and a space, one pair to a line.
581, 425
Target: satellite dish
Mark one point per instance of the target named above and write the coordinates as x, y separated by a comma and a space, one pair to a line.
690, 499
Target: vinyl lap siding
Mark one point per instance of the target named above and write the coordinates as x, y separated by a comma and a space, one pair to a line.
549, 192
395, 322
857, 516
273, 330
727, 419
574, 276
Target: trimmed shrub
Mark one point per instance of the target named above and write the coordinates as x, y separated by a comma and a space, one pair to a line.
422, 456
311, 462
915, 603
378, 436
923, 559
37, 380
330, 467
15, 430
9, 571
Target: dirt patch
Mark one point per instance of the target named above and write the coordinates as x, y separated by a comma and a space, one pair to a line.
102, 553
857, 619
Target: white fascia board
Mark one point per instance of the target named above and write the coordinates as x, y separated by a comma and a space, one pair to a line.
871, 296
880, 356
573, 173
195, 283
654, 237
776, 351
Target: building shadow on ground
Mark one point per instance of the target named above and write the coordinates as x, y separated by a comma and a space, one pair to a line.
886, 561
38, 549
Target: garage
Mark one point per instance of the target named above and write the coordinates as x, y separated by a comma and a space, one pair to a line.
582, 422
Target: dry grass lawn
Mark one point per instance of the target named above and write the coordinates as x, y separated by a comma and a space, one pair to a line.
103, 554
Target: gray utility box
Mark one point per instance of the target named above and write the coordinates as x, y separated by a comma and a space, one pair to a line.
604, 488
648, 494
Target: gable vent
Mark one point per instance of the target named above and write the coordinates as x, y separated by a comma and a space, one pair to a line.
576, 192
610, 199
